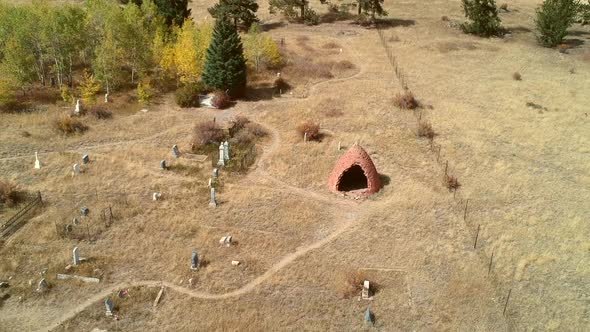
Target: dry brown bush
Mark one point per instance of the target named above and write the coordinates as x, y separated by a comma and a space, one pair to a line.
405, 100
9, 194
239, 122
207, 133
330, 45
516, 76
425, 130
243, 137
100, 113
221, 100
69, 125
352, 283
451, 182
311, 128
256, 129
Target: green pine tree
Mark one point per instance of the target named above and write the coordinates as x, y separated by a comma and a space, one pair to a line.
240, 11
225, 65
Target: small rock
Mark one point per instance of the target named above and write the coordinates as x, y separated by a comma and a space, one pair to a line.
145, 110
30, 282
68, 268
235, 263
3, 284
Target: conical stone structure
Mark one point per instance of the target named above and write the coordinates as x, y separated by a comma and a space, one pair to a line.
355, 174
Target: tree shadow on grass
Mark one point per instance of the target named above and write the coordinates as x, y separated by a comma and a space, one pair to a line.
393, 22
273, 25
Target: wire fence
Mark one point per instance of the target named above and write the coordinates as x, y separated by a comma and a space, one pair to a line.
462, 204
20, 218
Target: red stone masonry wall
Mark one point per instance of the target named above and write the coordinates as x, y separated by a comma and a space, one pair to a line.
356, 155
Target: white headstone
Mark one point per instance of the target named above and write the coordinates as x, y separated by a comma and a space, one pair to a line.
106, 97
76, 169
221, 161
37, 162
156, 196
235, 263
226, 150
339, 146
305, 137
215, 172
76, 254
78, 108
213, 202
210, 183
365, 293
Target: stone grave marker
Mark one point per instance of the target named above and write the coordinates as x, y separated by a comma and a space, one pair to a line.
215, 172
221, 161
195, 260
213, 202
175, 151
226, 240
78, 108
76, 169
84, 211
226, 150
365, 295
85, 159
156, 196
235, 263
108, 303
163, 165
369, 317
42, 286
209, 184
76, 255
37, 162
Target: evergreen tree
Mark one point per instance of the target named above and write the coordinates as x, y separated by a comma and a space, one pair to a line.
554, 17
484, 17
238, 11
225, 66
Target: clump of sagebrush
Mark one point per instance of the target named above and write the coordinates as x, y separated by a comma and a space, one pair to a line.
553, 19
310, 128
207, 133
451, 182
405, 100
425, 130
516, 76
483, 16
9, 194
69, 125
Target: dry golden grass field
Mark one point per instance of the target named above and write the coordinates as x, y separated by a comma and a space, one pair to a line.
524, 171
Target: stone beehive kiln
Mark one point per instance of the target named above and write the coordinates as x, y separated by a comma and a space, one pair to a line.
355, 173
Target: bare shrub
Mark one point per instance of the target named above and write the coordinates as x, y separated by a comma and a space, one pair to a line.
69, 125
425, 130
221, 100
451, 182
239, 122
352, 283
406, 100
207, 133
243, 137
516, 76
311, 128
330, 45
256, 129
445, 18
100, 113
9, 196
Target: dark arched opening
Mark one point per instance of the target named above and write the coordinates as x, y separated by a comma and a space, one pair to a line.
353, 179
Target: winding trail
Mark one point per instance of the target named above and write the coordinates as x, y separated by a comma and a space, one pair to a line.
347, 217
